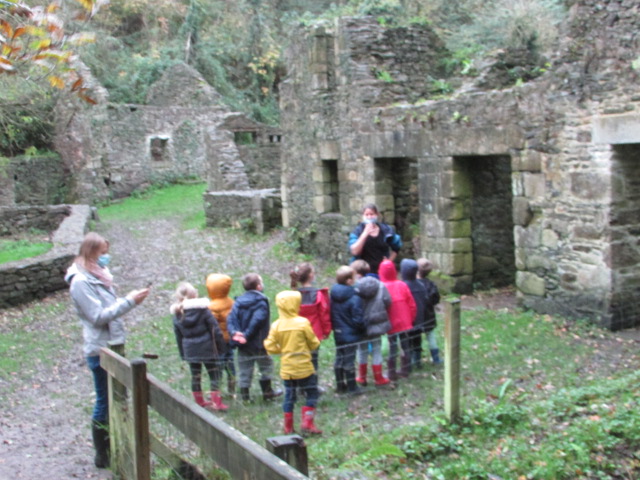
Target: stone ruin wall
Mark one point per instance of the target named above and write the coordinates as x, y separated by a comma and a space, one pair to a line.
183, 132
567, 219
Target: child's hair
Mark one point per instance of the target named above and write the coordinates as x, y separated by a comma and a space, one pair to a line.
361, 267
185, 290
301, 274
424, 267
343, 274
251, 281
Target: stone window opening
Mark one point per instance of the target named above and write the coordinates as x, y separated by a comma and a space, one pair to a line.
158, 148
485, 196
275, 138
397, 198
327, 187
245, 138
624, 225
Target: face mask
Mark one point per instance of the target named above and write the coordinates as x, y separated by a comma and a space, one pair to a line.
103, 260
370, 219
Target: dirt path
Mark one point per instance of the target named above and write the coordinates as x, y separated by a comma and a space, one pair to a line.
44, 421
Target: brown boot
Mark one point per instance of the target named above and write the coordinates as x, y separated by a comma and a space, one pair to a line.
391, 369
405, 366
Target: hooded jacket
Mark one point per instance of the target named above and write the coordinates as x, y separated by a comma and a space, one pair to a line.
250, 316
403, 308
409, 274
375, 302
346, 315
99, 308
218, 287
315, 308
197, 332
292, 337
433, 298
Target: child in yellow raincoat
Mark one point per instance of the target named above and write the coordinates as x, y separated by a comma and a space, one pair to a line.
292, 337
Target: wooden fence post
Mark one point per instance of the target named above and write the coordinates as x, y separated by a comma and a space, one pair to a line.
140, 402
452, 360
120, 458
291, 449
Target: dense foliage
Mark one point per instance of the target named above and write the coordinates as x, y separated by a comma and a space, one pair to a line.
237, 46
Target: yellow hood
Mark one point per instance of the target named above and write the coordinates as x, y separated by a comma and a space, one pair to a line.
288, 303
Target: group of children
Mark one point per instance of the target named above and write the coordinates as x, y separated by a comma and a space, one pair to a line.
359, 309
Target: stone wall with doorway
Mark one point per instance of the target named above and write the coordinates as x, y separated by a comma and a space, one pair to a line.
529, 185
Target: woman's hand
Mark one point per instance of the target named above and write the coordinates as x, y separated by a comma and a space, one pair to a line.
369, 228
138, 296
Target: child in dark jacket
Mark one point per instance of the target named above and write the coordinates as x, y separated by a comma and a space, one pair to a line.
200, 341
348, 329
375, 302
401, 315
248, 325
409, 273
433, 298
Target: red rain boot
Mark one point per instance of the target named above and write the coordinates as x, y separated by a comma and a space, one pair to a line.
362, 374
197, 396
308, 427
216, 401
379, 378
288, 423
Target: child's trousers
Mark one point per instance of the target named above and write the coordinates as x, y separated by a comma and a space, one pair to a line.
373, 345
291, 387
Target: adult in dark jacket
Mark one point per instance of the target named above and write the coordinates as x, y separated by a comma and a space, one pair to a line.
372, 240
200, 341
348, 329
248, 325
409, 273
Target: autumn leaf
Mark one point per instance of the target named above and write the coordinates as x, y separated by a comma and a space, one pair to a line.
55, 81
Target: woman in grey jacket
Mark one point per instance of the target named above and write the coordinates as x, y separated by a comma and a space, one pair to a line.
100, 311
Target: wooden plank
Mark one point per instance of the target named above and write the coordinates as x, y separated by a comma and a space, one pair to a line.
180, 466
117, 366
140, 413
452, 360
239, 455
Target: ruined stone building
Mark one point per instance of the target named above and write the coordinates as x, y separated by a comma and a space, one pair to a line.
536, 185
182, 131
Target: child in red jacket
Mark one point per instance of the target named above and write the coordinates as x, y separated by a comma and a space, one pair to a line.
402, 313
315, 307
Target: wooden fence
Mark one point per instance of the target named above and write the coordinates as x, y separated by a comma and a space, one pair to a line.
132, 442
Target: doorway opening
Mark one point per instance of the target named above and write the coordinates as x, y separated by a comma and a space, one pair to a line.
397, 198
625, 236
491, 217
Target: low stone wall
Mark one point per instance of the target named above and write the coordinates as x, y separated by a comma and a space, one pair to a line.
15, 220
31, 278
255, 210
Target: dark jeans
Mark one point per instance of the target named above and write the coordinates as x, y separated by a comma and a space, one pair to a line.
101, 385
346, 357
213, 369
404, 339
291, 387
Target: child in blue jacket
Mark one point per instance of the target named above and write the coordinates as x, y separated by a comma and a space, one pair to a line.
348, 329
